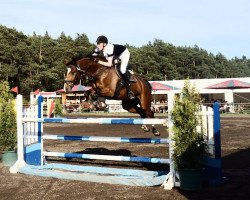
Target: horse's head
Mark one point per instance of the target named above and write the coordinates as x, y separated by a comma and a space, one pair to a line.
72, 78
73, 75
76, 68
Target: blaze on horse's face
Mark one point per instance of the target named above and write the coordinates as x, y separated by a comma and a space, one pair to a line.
70, 78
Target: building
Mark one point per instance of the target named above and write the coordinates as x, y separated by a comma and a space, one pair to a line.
237, 91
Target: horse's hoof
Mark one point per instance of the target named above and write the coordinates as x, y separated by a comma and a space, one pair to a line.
145, 128
156, 133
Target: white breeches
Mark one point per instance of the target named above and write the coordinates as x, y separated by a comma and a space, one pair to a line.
124, 60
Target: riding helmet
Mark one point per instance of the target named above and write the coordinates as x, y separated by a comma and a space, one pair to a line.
102, 39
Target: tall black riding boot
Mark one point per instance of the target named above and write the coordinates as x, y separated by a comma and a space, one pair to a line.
130, 94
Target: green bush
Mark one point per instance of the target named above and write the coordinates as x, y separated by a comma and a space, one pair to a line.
58, 108
8, 137
189, 144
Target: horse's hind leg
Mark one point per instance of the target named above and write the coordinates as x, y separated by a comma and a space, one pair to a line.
148, 113
132, 106
145, 128
154, 130
144, 110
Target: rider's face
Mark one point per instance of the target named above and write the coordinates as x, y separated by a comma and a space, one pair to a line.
100, 46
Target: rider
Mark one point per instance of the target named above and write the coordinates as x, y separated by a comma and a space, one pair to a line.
111, 51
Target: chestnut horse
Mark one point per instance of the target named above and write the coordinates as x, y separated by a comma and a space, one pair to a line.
107, 83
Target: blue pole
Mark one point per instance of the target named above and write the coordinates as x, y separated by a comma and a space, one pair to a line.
217, 137
40, 101
214, 171
39, 133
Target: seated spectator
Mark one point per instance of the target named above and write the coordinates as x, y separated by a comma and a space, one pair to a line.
162, 100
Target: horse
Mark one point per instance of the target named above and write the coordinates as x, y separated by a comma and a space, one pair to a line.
107, 83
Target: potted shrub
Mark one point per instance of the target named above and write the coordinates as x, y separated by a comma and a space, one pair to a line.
8, 137
189, 146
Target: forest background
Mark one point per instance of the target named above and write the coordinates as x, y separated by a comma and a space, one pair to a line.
37, 61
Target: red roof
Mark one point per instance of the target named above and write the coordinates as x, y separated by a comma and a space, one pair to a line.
160, 86
230, 84
76, 88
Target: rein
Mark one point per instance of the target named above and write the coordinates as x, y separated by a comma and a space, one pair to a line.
97, 73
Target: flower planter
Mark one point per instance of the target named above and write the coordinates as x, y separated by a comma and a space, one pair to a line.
9, 158
190, 179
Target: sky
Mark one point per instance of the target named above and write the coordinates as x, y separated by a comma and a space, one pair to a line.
218, 26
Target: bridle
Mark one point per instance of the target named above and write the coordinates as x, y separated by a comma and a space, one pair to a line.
75, 78
82, 73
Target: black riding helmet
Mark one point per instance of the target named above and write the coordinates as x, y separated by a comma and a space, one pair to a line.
102, 39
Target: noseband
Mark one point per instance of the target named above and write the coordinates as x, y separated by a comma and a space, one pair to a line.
76, 76
79, 70
66, 81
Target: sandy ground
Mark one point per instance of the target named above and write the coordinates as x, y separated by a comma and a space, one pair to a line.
235, 135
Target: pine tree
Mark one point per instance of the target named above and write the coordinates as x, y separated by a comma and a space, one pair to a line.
189, 144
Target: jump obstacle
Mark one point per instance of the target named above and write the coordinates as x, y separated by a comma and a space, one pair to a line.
32, 157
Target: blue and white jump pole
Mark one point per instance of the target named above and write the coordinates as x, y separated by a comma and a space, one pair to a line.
36, 156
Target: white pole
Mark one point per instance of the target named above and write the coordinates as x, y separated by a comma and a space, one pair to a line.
230, 100
169, 183
20, 146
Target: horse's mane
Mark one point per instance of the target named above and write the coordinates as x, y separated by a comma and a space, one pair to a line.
77, 57
74, 59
